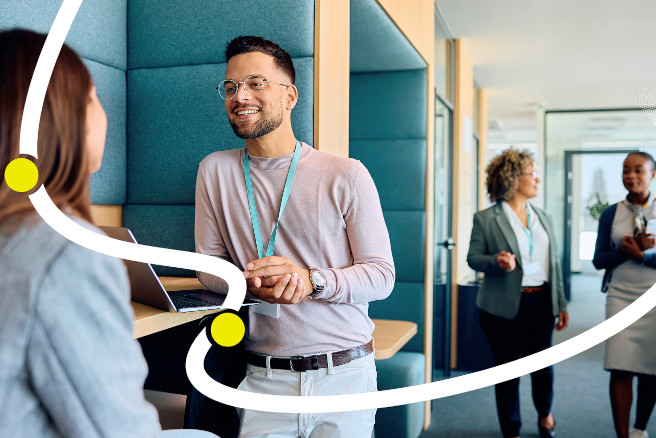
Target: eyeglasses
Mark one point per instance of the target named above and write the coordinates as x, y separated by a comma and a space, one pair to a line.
254, 84
533, 174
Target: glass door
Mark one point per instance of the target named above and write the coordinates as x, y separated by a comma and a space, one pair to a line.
593, 181
442, 232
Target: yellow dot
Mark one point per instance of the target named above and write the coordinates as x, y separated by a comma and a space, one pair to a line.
228, 329
21, 175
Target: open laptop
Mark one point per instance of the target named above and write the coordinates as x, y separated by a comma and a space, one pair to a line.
147, 289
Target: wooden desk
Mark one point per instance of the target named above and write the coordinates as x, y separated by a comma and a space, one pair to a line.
149, 320
389, 335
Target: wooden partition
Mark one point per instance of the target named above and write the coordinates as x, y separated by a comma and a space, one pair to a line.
463, 116
107, 215
331, 76
481, 121
418, 25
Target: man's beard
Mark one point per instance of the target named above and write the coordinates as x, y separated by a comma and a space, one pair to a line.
267, 123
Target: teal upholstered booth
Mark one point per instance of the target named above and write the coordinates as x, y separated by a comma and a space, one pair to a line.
175, 115
387, 126
156, 65
99, 36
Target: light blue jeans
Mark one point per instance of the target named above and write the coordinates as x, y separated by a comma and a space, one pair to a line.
354, 377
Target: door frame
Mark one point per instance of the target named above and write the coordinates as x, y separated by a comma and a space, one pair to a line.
567, 242
439, 246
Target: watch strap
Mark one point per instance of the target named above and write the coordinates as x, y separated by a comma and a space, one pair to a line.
316, 289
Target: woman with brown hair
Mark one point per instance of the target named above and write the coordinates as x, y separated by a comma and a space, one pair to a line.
521, 297
68, 363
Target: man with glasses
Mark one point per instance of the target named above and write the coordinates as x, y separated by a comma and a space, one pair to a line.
308, 230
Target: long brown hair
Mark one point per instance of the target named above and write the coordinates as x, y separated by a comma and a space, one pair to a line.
63, 159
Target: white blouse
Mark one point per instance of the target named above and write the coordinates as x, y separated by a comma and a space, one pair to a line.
535, 265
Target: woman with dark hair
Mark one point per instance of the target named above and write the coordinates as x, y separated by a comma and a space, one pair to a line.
521, 297
626, 250
68, 363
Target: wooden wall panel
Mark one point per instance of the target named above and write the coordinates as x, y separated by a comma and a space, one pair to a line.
331, 76
416, 20
430, 231
418, 25
331, 104
463, 205
482, 145
107, 215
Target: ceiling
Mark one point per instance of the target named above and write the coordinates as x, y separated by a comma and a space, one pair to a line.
556, 55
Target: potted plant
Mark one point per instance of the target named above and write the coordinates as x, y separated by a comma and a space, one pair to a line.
596, 205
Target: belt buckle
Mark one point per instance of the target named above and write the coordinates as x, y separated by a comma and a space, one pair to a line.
291, 362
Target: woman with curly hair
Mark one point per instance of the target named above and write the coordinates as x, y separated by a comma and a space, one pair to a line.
521, 297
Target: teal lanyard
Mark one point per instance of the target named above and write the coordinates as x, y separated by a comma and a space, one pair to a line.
283, 202
529, 232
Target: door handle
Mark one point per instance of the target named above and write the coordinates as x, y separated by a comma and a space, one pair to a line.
449, 243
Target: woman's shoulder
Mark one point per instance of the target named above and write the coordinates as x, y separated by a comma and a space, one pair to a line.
94, 264
609, 213
541, 212
29, 247
34, 234
490, 211
34, 248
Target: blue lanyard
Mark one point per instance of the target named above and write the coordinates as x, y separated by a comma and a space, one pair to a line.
529, 232
283, 202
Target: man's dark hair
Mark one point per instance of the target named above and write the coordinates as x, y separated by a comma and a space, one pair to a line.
247, 44
646, 156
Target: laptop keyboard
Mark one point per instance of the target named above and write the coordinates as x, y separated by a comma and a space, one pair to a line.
182, 300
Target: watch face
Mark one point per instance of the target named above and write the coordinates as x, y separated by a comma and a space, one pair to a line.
319, 279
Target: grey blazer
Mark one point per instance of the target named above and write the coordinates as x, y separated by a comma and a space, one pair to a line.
69, 366
501, 291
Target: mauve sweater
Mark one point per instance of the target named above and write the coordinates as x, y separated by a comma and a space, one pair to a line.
333, 221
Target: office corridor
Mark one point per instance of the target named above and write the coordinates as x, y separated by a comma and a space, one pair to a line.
581, 405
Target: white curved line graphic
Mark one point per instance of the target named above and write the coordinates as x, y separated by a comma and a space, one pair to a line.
36, 93
237, 284
77, 233
141, 253
411, 394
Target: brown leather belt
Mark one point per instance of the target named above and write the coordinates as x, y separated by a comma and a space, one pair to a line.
531, 289
315, 362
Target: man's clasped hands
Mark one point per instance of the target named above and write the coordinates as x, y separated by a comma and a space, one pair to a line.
277, 280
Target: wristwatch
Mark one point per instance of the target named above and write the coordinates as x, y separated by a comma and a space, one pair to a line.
318, 281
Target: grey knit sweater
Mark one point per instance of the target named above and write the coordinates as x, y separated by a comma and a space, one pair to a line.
333, 221
68, 363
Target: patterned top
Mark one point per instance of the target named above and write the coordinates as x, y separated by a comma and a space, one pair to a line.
631, 276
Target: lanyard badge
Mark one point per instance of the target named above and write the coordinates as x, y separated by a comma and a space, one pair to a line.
529, 233
531, 268
272, 310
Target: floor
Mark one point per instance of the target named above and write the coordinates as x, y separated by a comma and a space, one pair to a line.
581, 405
